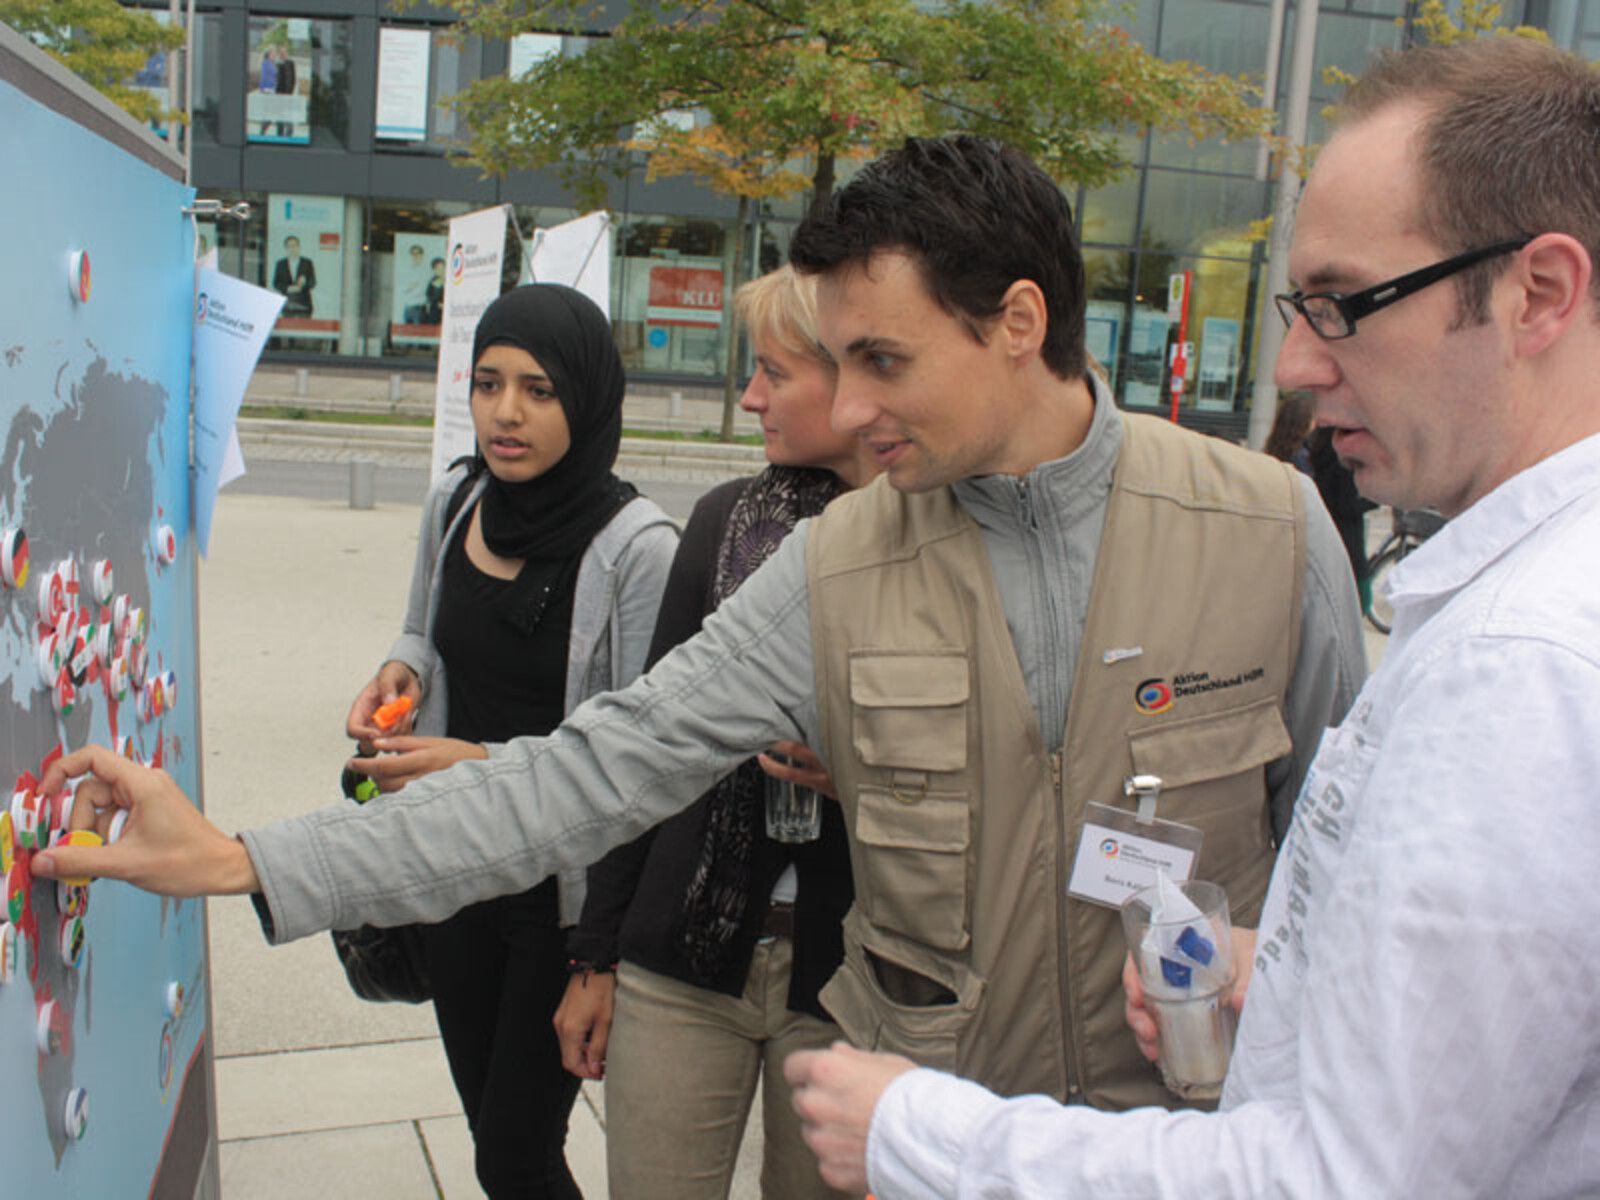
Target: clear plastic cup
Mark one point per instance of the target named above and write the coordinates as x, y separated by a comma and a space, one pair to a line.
1189, 995
794, 813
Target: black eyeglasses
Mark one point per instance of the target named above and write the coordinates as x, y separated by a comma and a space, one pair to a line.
1333, 316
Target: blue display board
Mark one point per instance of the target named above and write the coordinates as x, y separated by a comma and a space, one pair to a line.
94, 416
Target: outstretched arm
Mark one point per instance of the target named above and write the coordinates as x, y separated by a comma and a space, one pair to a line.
167, 845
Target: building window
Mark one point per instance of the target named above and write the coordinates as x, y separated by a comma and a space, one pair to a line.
670, 282
298, 75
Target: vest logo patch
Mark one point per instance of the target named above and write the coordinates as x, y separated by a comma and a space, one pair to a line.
1154, 696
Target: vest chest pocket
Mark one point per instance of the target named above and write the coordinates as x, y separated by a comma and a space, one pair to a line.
909, 710
912, 864
1213, 773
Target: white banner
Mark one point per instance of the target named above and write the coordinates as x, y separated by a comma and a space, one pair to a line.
403, 83
576, 253
472, 281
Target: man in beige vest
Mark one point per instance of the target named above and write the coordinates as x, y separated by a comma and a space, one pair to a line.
1049, 599
1423, 1018
1042, 599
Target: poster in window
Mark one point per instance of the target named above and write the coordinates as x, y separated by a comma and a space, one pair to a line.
1219, 363
1102, 327
418, 304
685, 296
278, 108
403, 84
305, 245
529, 49
1147, 353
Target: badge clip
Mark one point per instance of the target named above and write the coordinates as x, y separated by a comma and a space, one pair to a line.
1147, 789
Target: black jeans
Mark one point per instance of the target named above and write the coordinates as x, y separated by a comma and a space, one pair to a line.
499, 972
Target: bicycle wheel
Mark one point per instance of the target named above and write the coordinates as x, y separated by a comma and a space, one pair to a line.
1379, 613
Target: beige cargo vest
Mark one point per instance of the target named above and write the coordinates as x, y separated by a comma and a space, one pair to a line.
962, 950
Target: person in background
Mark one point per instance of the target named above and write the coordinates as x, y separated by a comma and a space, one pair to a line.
537, 582
413, 286
1336, 484
433, 294
296, 278
725, 936
1290, 428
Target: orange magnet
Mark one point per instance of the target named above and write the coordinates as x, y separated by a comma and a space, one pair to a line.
389, 715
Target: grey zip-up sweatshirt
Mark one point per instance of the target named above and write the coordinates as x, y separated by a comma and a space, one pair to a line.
621, 577
625, 760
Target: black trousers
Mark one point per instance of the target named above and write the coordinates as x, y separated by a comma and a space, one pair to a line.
499, 971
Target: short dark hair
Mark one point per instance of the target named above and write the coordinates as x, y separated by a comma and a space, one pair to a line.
1509, 146
290, 238
976, 217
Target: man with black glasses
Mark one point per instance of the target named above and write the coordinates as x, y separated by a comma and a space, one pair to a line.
1424, 1013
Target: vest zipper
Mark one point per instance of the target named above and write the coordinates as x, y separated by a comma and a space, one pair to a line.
1069, 1052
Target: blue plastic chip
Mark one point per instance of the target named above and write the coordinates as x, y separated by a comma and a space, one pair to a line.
1196, 947
1175, 973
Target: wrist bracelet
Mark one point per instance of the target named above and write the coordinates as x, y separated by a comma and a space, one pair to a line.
578, 966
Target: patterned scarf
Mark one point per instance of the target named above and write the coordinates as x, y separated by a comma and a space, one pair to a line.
719, 890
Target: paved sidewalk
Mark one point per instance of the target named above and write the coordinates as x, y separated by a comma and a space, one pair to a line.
319, 1093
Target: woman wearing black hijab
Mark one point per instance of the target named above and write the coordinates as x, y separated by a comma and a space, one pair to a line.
536, 585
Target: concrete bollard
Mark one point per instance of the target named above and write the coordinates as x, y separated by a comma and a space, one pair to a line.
675, 404
363, 482
302, 381
397, 387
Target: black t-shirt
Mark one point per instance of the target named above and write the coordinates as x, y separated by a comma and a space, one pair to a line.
505, 680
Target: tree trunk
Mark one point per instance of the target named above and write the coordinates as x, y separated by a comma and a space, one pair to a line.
730, 377
821, 183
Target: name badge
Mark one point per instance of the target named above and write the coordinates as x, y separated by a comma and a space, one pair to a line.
1118, 854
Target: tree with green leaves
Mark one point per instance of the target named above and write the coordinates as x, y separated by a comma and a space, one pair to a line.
777, 92
817, 80
101, 42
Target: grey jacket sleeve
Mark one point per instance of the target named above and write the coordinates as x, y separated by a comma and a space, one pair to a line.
619, 764
641, 578
1332, 664
413, 647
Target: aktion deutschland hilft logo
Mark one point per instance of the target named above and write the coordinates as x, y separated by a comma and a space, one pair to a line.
1152, 696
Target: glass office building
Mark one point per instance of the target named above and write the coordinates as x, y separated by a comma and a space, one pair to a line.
325, 115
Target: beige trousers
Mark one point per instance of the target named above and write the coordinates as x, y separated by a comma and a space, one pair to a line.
681, 1072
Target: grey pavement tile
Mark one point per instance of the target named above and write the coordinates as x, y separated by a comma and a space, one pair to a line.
449, 1144
263, 1095
378, 1160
